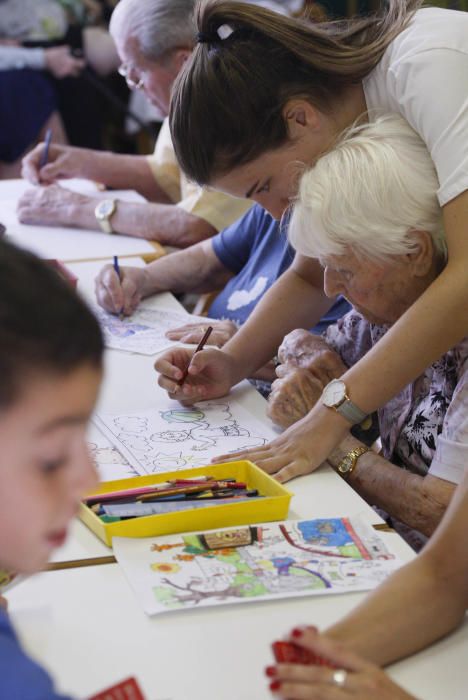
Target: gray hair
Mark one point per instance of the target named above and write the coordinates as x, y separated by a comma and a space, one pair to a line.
158, 25
368, 194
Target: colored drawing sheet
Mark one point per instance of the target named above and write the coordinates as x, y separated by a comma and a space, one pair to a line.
144, 331
172, 437
281, 560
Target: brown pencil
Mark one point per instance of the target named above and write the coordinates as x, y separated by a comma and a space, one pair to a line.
199, 347
78, 563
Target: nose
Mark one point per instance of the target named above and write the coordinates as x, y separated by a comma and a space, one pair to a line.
274, 206
83, 475
332, 284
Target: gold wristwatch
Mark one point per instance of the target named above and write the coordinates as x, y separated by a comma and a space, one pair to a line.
347, 464
103, 212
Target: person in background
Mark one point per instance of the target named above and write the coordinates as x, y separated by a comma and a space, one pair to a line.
51, 373
154, 39
240, 263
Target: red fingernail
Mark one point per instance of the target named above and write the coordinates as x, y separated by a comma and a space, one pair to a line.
275, 685
297, 632
270, 671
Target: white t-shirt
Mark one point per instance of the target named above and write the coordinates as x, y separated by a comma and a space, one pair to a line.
423, 75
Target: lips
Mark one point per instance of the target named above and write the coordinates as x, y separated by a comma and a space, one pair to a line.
57, 538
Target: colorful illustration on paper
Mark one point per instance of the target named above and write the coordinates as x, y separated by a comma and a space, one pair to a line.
180, 437
277, 560
144, 331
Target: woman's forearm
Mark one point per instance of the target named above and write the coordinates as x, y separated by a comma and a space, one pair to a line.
419, 502
412, 609
422, 601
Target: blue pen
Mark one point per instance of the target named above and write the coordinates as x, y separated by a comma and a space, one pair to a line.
117, 272
45, 152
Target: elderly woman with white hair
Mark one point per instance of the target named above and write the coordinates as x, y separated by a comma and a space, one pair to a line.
368, 211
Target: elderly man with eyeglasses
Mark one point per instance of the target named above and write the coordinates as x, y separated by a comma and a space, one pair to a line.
154, 38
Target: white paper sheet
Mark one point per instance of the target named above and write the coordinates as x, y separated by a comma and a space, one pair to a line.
144, 331
175, 437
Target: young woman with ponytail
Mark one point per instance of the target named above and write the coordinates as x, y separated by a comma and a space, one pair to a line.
262, 97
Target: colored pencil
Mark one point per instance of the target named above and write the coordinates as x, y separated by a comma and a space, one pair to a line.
199, 347
45, 152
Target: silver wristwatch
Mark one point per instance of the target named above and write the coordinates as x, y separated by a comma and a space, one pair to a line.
335, 396
103, 212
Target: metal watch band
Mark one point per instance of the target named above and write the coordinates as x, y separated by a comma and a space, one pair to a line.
351, 412
346, 467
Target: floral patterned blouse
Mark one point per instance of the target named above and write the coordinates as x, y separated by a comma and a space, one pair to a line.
425, 427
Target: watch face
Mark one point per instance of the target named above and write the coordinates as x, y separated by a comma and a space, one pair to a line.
346, 465
334, 393
105, 208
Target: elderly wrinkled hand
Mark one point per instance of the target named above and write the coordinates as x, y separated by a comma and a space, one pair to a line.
121, 295
194, 332
293, 395
301, 348
52, 205
63, 162
351, 677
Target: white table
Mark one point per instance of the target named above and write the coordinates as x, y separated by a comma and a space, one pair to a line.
87, 628
67, 243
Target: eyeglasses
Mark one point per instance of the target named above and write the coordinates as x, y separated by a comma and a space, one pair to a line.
126, 72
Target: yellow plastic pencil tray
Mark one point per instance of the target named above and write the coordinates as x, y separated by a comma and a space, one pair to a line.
274, 505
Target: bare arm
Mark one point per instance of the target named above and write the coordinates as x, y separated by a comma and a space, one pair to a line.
115, 170
420, 502
391, 623
165, 223
196, 269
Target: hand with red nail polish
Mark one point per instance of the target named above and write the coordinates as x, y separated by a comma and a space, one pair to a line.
313, 667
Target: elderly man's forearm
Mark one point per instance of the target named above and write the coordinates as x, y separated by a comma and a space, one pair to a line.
121, 172
165, 223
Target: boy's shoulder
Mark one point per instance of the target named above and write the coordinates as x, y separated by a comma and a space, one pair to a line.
20, 676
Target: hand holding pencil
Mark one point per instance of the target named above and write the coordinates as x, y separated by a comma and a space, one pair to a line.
118, 293
209, 374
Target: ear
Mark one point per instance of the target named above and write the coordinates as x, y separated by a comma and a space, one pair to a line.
180, 57
300, 116
422, 259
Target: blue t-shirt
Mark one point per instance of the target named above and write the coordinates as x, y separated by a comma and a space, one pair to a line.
256, 249
21, 678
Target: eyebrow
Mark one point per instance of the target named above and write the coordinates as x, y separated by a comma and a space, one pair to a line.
250, 192
63, 422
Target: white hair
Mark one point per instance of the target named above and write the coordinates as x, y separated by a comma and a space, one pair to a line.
367, 194
158, 25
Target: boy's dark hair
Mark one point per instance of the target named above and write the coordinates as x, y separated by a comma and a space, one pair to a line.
44, 325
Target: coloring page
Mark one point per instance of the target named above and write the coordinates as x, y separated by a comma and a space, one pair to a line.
166, 439
250, 563
144, 331
109, 462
